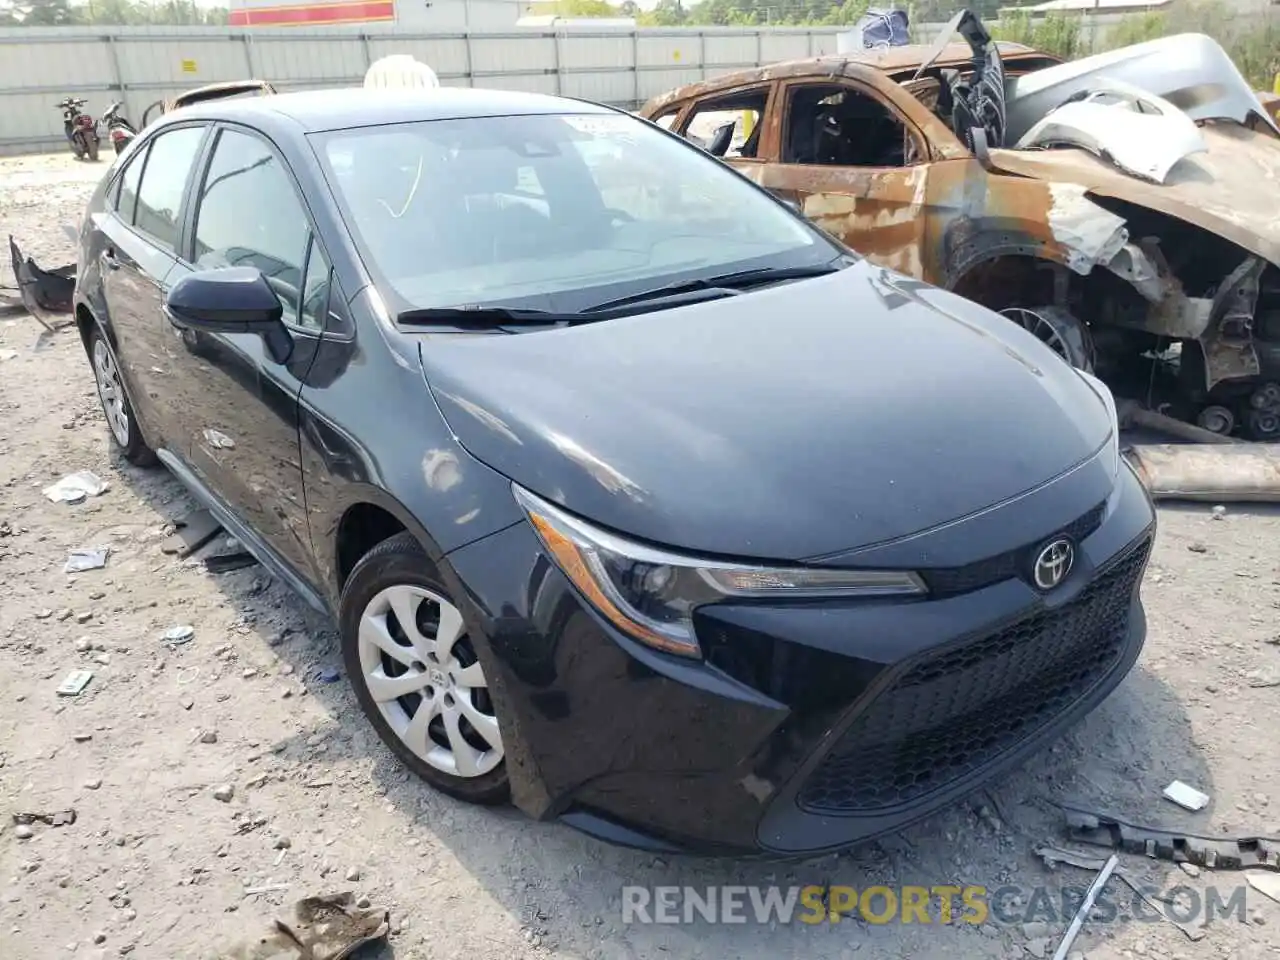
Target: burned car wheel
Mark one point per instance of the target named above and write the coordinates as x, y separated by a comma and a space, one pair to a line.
1062, 332
115, 403
418, 676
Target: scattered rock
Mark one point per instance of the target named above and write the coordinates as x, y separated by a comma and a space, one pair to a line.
1219, 512
84, 645
282, 843
92, 784
84, 617
224, 792
83, 737
44, 614
1035, 929
1261, 799
249, 673
363, 903
23, 832
1038, 948
64, 613
1197, 547
353, 874
130, 914
99, 937
209, 736
1257, 917
1190, 869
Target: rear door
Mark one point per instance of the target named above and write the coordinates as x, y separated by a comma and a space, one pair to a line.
136, 259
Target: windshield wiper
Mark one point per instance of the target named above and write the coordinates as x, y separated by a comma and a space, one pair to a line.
488, 317
725, 285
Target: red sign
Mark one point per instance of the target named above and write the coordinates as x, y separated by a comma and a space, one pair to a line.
312, 14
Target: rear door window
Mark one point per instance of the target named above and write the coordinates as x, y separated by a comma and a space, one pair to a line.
164, 181
127, 198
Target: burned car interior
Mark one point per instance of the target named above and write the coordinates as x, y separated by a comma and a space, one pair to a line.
1106, 203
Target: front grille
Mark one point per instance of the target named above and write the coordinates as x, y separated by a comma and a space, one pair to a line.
955, 711
949, 581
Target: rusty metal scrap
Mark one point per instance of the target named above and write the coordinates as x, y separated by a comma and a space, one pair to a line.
1239, 472
1104, 830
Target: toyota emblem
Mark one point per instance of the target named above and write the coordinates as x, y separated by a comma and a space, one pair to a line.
1054, 563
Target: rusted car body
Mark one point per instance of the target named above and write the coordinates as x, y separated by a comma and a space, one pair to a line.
1121, 209
210, 91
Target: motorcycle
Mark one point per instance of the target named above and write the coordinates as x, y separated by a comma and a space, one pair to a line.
119, 129
80, 128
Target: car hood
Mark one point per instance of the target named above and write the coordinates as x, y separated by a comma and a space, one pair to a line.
786, 423
1220, 188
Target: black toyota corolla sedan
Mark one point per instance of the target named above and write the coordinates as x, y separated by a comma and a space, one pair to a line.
637, 499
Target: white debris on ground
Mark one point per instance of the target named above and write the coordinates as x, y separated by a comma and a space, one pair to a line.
216, 778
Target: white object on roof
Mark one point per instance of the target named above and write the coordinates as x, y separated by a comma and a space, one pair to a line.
399, 71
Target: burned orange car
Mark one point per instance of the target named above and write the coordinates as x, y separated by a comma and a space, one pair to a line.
1122, 206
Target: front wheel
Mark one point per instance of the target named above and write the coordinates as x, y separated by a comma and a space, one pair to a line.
418, 676
1060, 330
115, 404
93, 149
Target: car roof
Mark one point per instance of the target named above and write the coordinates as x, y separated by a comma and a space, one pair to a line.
339, 109
889, 60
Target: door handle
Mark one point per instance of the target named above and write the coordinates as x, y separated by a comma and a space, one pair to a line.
109, 260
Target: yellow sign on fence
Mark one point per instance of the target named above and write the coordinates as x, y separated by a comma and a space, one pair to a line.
188, 66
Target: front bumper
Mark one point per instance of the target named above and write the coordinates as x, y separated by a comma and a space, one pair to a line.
810, 726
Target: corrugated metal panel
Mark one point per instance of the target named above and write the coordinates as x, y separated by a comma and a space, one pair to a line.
783, 47
140, 65
614, 87
669, 51
730, 50
577, 53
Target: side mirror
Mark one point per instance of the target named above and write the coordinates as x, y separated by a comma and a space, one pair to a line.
230, 300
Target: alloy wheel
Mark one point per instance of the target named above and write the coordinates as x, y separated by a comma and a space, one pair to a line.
1057, 329
427, 682
111, 391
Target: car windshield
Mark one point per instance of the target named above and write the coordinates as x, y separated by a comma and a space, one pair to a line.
550, 212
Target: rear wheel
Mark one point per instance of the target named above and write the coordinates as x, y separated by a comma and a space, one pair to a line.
1060, 330
417, 675
115, 403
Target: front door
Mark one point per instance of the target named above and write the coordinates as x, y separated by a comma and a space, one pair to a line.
241, 430
855, 167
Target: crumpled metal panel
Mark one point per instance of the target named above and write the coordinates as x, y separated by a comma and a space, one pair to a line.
1189, 70
1141, 133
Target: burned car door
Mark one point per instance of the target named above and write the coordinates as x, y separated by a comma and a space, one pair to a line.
855, 165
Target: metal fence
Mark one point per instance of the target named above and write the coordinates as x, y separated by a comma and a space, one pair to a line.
140, 65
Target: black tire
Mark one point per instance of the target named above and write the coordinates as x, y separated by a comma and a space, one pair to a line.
401, 561
1059, 329
134, 449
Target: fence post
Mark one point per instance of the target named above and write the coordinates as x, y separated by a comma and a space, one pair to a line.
368, 52
635, 63
702, 54
558, 61
247, 42
759, 47
469, 64
113, 56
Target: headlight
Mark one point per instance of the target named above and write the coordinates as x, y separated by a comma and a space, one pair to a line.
1108, 401
651, 594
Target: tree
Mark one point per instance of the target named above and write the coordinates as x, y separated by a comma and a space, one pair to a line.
47, 13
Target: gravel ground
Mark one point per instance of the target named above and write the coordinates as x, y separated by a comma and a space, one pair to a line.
156, 864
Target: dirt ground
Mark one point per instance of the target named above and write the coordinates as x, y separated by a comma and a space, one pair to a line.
156, 867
